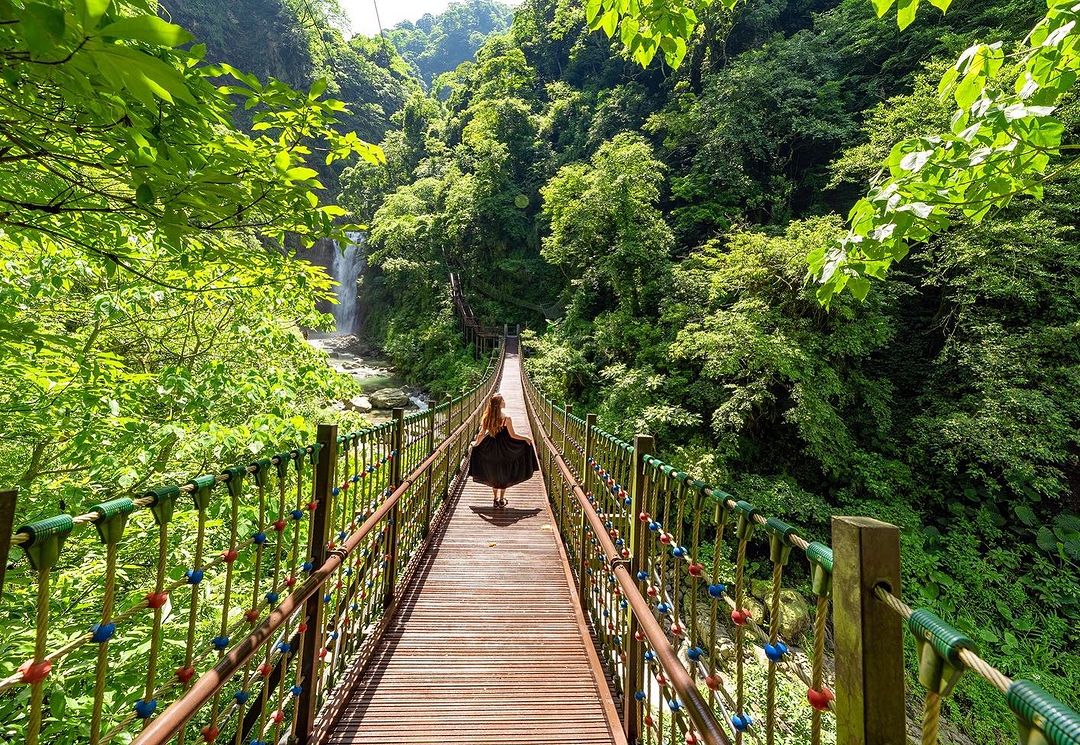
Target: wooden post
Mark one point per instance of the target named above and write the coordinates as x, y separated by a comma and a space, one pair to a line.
397, 446
635, 650
318, 538
7, 521
869, 635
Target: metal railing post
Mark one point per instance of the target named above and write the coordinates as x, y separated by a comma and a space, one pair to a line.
318, 538
397, 444
635, 650
567, 408
590, 422
868, 634
429, 446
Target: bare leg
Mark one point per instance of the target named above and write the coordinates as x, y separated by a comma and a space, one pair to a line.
495, 497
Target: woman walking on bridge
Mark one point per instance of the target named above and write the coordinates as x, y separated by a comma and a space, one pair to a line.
501, 457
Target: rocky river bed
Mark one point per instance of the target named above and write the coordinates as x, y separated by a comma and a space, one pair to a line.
382, 389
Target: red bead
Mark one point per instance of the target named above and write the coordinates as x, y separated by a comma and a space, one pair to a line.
739, 617
184, 674
651, 592
290, 581
265, 670
209, 734
690, 739
252, 615
644, 517
345, 486
229, 556
648, 720
665, 538
278, 716
819, 699
35, 672
661, 679
312, 505
626, 553
639, 635
676, 629
302, 627
713, 682
331, 546
279, 525
613, 533
696, 570
157, 599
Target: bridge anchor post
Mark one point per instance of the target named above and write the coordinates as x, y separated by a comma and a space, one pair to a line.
869, 635
318, 538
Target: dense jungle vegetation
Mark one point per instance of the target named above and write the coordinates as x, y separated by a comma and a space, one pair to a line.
652, 227
664, 211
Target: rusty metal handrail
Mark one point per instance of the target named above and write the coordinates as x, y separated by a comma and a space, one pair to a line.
161, 729
699, 710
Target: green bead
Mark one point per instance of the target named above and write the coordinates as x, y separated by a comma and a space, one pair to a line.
316, 448
939, 644
744, 527
282, 463
261, 467
779, 540
235, 482
821, 567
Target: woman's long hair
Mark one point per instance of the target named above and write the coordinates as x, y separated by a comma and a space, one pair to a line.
493, 416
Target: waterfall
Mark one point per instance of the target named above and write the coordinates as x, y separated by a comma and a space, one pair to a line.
346, 268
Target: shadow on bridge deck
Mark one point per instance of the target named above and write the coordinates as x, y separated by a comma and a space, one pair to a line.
488, 644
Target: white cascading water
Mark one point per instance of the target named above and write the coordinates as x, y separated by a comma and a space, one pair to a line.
346, 268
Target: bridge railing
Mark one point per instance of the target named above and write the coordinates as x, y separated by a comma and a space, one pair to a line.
687, 590
231, 607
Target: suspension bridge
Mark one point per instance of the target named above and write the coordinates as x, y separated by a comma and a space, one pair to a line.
358, 589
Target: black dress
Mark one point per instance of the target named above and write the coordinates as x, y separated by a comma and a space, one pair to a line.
500, 461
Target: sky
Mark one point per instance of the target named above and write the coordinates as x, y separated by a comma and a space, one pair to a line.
392, 12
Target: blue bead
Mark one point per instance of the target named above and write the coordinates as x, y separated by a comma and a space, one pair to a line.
348, 572
241, 697
695, 653
674, 705
220, 643
335, 491
663, 608
271, 597
143, 709
741, 722
194, 576
623, 604
677, 551
776, 652
259, 538
355, 606
370, 469
284, 647
627, 502
717, 591
642, 575
342, 535
640, 695
619, 542
650, 655
326, 598
608, 525
355, 479
333, 636
307, 566
296, 690
654, 526
297, 514
103, 632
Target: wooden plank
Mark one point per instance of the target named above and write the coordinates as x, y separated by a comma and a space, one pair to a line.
487, 644
869, 636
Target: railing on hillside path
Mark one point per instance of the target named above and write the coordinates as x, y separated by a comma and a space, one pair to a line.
483, 338
272, 594
661, 560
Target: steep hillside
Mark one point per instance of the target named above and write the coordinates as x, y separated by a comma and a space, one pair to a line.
438, 43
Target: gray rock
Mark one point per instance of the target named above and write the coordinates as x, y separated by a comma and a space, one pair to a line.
389, 398
358, 403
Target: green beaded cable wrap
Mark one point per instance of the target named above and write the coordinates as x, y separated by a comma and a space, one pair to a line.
112, 518
235, 481
821, 567
316, 448
259, 469
282, 463
164, 502
203, 485
1036, 709
45, 538
946, 639
780, 534
745, 525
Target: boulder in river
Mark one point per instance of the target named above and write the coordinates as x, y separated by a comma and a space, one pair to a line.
358, 403
389, 398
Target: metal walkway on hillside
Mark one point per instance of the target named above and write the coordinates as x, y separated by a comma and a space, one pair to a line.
488, 636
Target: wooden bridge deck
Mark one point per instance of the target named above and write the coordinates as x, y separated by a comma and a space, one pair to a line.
489, 644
